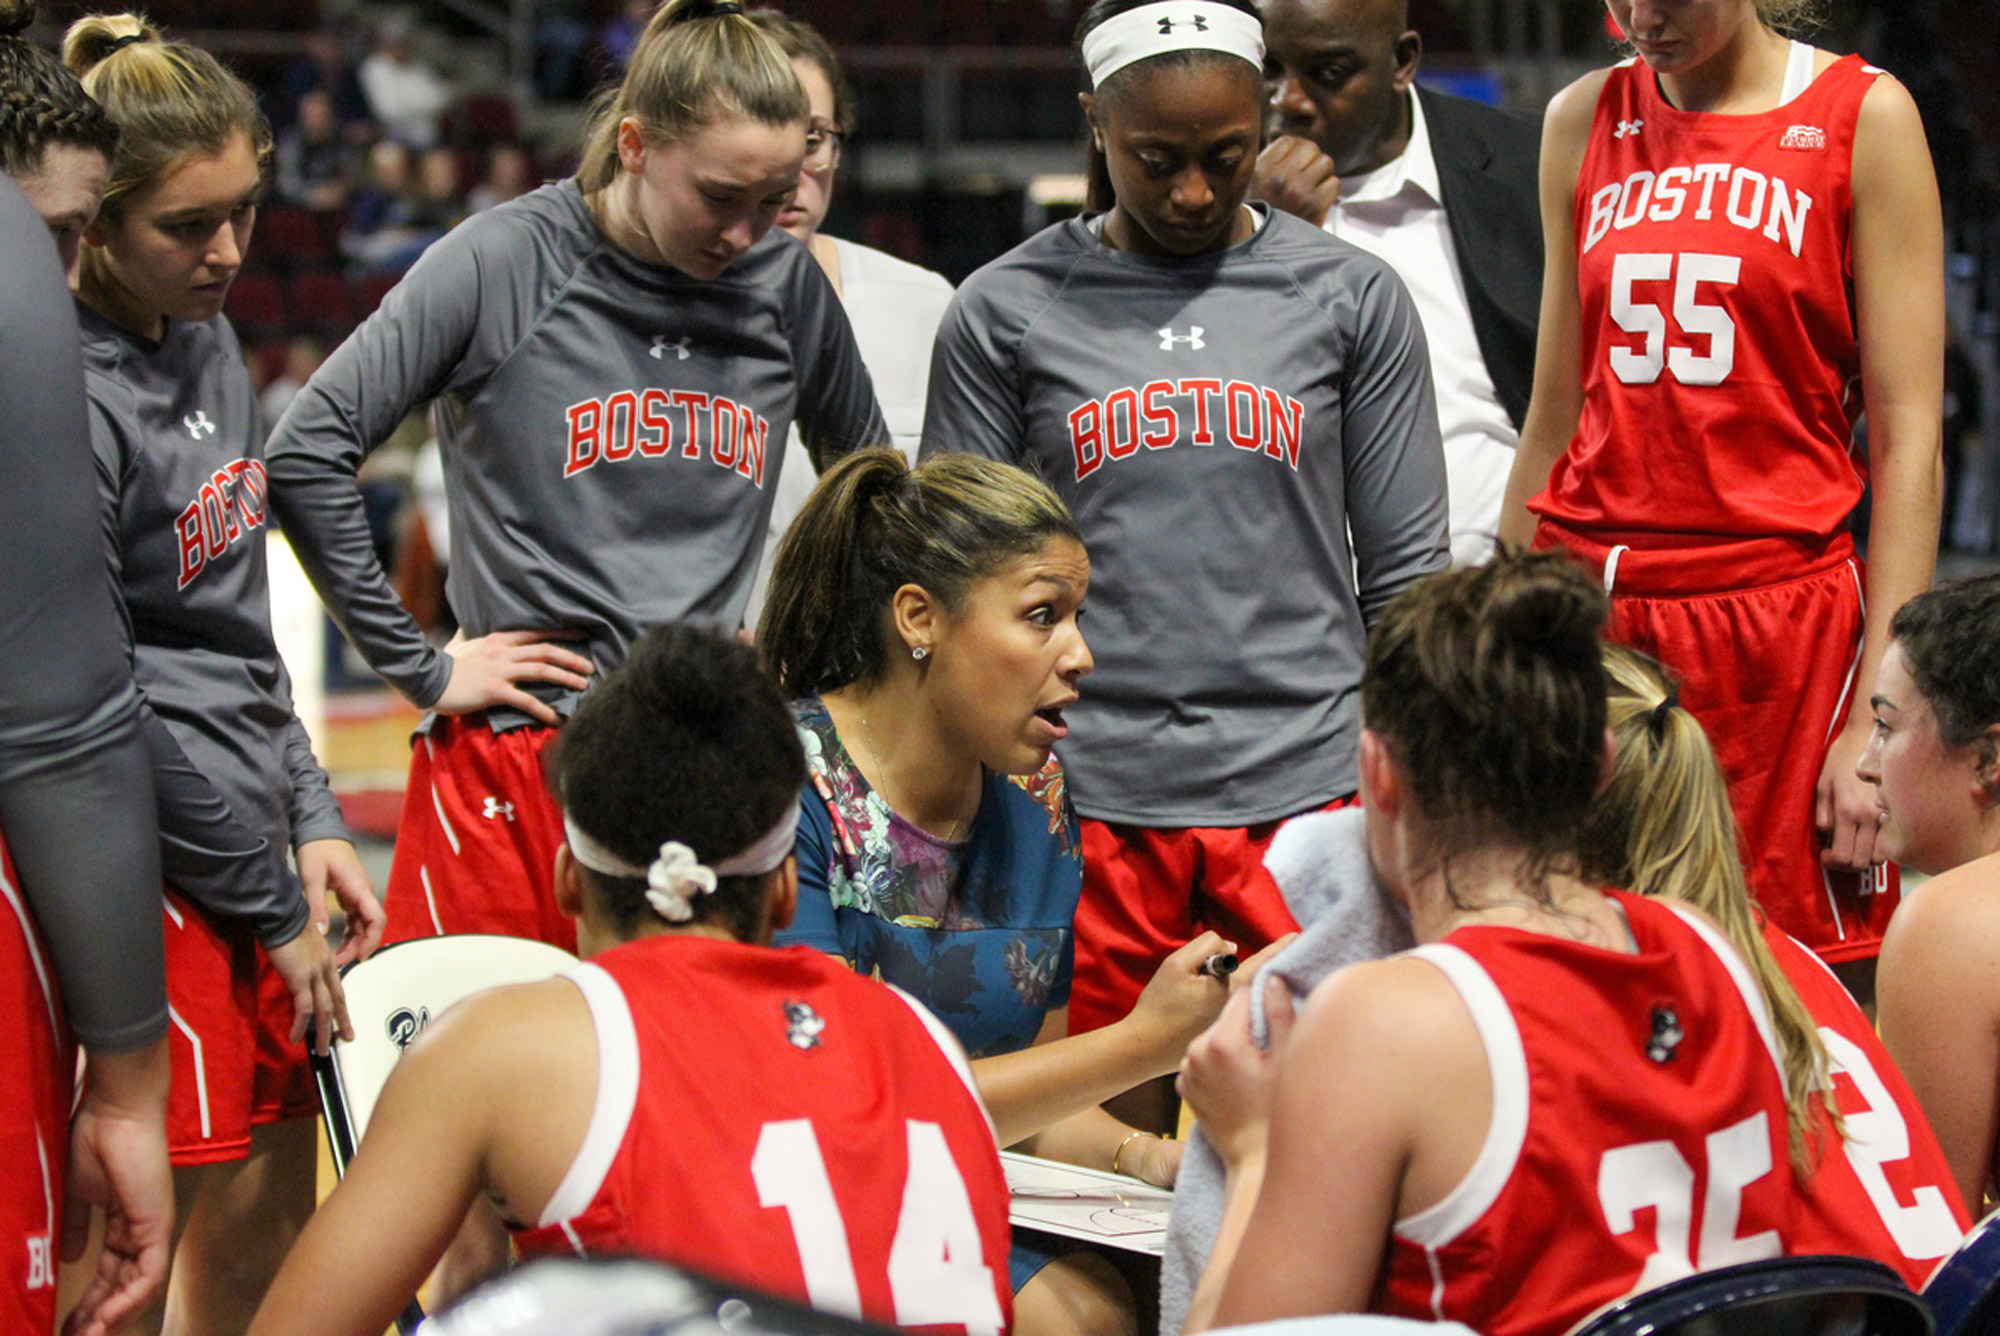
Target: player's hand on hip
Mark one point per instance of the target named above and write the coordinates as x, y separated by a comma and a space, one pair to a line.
1180, 1000
489, 671
1292, 174
1844, 806
306, 964
332, 865
118, 1162
1228, 1080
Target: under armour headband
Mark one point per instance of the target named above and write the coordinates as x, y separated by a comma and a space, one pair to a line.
1172, 25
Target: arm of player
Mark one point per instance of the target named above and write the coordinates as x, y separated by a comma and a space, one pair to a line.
1899, 319
838, 413
1391, 454
424, 1159
1938, 1009
1556, 403
974, 404
423, 342
1352, 1084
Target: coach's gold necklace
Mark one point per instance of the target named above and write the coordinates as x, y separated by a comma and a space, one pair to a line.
875, 755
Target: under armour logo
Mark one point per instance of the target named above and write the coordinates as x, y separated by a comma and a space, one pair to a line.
494, 807
802, 1025
198, 424
661, 343
1627, 128
1192, 338
1167, 26
404, 1025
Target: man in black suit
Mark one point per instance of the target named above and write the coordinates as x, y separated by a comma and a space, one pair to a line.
1442, 188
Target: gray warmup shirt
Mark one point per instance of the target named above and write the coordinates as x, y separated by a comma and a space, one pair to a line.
1219, 425
612, 433
76, 794
179, 445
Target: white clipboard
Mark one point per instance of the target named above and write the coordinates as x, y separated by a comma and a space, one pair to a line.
1110, 1210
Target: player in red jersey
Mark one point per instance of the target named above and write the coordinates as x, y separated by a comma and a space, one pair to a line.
1935, 765
1756, 245
765, 1115
1876, 1184
1430, 1137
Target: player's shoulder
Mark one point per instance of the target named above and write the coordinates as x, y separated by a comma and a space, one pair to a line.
1950, 922
1338, 278
1034, 269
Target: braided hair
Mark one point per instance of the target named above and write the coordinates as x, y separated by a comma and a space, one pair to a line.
41, 102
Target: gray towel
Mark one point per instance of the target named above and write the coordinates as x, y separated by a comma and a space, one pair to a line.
1320, 862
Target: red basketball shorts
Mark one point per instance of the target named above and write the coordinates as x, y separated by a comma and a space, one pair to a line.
229, 1040
476, 843
37, 1077
1766, 641
1147, 892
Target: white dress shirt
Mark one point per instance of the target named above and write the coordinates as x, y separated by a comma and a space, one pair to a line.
1397, 212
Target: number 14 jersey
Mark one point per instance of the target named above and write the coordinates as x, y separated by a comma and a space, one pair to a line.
768, 1117
1720, 367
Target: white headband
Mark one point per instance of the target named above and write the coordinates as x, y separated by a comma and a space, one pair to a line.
1173, 25
677, 876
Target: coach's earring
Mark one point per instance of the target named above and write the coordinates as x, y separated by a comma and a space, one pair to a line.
919, 653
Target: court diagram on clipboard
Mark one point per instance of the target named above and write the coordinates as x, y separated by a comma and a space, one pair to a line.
1088, 1204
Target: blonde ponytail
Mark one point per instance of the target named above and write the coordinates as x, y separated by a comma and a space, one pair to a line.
1663, 827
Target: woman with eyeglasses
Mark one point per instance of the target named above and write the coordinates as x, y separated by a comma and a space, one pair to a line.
894, 306
616, 360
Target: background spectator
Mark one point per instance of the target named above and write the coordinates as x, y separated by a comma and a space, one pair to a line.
405, 96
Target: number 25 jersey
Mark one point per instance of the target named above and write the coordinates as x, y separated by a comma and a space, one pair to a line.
1721, 373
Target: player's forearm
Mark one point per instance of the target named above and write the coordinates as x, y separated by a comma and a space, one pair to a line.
1908, 476
1207, 1308
1030, 1090
1092, 1138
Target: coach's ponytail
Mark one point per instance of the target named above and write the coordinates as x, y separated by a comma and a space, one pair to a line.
874, 525
696, 62
170, 101
1663, 826
41, 102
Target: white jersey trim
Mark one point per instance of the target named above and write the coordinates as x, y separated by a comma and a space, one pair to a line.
954, 1053
1507, 1065
1798, 72
1739, 973
617, 1095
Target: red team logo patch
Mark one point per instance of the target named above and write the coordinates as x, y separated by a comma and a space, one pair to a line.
1255, 418
651, 423
1803, 138
230, 504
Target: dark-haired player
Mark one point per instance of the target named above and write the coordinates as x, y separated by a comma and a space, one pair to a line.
1238, 411
761, 1114
1563, 1095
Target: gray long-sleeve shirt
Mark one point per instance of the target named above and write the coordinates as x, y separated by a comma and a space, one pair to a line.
1220, 426
611, 431
179, 448
76, 795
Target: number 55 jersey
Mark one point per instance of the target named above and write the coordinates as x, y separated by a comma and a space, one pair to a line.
768, 1117
1721, 373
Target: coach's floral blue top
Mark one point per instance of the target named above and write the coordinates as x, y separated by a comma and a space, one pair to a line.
978, 930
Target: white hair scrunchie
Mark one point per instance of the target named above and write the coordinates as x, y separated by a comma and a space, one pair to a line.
677, 876
1172, 25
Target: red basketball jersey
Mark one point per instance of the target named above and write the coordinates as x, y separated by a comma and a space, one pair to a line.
771, 1118
1721, 374
1638, 1131
1885, 1191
